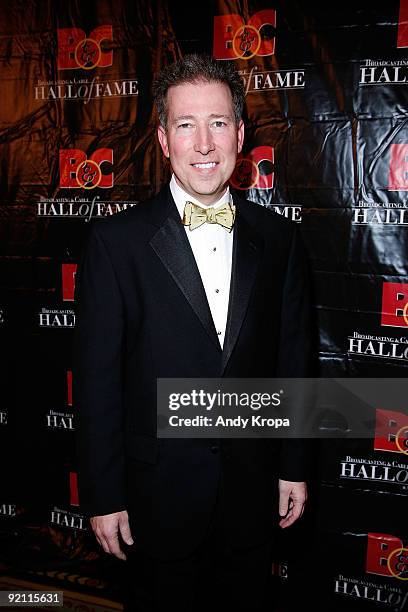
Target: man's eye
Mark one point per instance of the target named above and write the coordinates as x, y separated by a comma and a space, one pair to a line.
219, 124
184, 125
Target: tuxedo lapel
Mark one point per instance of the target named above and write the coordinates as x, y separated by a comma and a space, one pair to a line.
246, 254
171, 245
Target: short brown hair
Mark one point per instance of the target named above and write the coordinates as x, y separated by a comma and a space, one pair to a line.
196, 68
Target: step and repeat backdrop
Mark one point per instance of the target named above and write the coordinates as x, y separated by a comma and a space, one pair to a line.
326, 146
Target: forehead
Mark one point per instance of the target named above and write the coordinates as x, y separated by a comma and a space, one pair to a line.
199, 99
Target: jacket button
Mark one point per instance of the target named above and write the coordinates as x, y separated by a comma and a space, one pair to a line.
214, 449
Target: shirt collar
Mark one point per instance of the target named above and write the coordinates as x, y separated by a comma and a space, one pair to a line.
181, 197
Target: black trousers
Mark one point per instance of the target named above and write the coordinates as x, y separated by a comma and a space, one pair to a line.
219, 575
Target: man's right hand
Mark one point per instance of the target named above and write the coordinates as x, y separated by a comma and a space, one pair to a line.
107, 528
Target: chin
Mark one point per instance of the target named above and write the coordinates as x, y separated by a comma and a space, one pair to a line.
207, 188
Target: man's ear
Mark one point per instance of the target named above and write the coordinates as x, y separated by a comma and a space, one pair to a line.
241, 132
161, 135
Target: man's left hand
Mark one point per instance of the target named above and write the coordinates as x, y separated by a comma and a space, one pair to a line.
292, 499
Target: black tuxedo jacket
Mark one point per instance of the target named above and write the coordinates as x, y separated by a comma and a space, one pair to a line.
142, 313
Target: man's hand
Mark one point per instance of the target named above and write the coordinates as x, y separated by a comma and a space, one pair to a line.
292, 499
106, 529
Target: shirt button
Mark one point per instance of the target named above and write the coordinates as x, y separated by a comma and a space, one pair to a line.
219, 333
215, 248
217, 291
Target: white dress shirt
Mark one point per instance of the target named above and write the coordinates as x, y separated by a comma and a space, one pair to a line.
212, 248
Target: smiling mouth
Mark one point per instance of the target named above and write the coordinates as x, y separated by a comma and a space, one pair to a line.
205, 166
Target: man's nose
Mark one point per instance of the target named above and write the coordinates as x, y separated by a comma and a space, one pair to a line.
204, 142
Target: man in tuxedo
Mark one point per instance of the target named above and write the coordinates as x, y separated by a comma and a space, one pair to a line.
195, 282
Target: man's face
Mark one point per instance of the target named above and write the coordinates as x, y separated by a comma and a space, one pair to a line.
202, 139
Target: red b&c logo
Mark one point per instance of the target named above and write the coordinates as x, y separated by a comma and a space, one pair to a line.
79, 172
69, 387
247, 173
73, 489
76, 50
235, 39
398, 177
402, 40
395, 305
386, 556
391, 431
68, 281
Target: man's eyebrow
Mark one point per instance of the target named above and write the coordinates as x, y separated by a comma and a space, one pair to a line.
212, 116
220, 116
182, 117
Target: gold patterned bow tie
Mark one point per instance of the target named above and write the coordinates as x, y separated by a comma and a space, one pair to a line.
194, 215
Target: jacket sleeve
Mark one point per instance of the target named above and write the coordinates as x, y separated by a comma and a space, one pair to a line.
97, 380
296, 359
